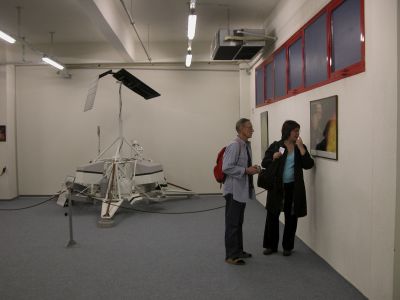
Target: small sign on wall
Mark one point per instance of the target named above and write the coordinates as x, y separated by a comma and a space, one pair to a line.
2, 133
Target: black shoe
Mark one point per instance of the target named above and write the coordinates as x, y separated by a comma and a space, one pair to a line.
287, 252
269, 251
244, 254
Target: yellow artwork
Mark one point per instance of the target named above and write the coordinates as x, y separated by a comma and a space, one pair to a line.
324, 127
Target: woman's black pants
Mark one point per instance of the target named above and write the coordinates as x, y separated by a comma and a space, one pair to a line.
271, 232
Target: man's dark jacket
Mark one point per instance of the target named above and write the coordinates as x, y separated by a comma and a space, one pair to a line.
276, 194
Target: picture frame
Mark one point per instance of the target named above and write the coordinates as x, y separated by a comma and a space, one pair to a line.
264, 132
3, 137
324, 127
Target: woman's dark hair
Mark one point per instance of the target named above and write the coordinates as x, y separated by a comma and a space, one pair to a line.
287, 128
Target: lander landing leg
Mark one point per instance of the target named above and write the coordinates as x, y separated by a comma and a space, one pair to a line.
113, 198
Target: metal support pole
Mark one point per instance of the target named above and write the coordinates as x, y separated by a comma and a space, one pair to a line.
98, 141
71, 241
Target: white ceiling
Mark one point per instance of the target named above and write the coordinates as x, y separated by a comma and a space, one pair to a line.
168, 18
39, 17
163, 21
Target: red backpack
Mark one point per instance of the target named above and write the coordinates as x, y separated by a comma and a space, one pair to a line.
218, 174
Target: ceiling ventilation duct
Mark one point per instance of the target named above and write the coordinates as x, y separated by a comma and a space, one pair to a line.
238, 44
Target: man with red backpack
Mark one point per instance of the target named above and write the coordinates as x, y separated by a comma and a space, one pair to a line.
238, 189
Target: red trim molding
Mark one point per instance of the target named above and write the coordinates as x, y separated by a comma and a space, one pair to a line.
354, 69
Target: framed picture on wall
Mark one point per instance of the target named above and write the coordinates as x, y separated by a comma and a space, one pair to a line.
2, 133
264, 132
324, 127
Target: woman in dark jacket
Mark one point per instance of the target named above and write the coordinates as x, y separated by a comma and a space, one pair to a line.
288, 157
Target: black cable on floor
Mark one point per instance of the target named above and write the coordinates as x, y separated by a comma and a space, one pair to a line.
34, 205
173, 213
122, 207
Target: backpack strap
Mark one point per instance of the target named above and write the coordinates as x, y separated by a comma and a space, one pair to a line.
236, 140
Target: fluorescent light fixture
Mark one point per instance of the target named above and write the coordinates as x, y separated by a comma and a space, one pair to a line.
188, 59
192, 4
55, 64
191, 26
6, 37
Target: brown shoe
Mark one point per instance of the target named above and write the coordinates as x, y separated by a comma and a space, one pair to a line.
235, 261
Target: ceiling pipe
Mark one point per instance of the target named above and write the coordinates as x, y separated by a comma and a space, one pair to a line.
265, 37
143, 66
174, 64
135, 29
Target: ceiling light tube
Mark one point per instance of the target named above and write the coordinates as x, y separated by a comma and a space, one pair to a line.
191, 26
55, 64
6, 37
188, 59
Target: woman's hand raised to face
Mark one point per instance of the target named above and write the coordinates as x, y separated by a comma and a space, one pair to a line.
300, 145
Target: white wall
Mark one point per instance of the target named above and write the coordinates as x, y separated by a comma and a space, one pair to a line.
397, 235
8, 181
351, 202
183, 129
245, 95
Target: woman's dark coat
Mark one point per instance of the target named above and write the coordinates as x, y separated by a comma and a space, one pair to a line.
276, 194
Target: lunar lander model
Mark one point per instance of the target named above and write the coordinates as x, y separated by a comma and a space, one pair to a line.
117, 179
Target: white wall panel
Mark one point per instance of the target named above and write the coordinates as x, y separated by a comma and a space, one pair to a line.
183, 129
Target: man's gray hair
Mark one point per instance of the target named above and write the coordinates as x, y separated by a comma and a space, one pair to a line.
240, 123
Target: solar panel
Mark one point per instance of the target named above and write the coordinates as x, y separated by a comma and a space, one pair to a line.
134, 84
127, 79
91, 94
